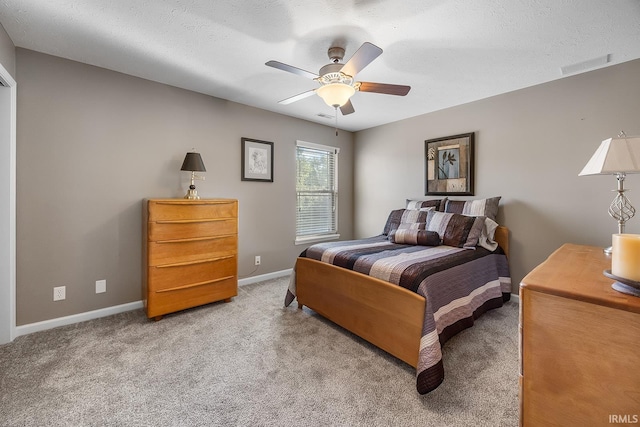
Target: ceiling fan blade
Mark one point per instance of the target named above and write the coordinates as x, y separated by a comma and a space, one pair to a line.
347, 108
388, 89
292, 69
363, 57
297, 97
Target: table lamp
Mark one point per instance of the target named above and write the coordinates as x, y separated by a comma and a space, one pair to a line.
193, 163
616, 156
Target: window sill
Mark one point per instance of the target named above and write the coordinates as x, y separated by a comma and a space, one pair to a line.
315, 239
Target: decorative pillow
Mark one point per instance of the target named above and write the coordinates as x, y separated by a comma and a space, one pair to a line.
438, 204
399, 216
480, 207
456, 230
412, 226
409, 236
488, 232
393, 221
412, 216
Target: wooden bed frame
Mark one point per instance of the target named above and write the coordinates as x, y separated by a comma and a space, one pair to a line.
386, 315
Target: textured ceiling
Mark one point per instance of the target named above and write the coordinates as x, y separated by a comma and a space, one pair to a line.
449, 51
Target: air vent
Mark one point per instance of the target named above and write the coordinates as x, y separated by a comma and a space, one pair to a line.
585, 65
324, 116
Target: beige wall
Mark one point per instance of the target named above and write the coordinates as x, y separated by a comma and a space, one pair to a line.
92, 143
530, 146
7, 52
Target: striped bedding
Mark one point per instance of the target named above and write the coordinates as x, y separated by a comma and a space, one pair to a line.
458, 285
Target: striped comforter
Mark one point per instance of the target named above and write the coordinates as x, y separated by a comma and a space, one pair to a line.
458, 285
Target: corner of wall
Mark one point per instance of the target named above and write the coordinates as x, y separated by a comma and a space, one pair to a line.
7, 52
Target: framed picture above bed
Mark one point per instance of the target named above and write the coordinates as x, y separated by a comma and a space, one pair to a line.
257, 160
449, 165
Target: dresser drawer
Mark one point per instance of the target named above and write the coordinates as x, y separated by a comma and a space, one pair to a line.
160, 303
181, 251
187, 229
199, 272
179, 210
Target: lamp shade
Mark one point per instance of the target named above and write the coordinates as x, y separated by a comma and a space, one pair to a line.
335, 94
615, 155
193, 162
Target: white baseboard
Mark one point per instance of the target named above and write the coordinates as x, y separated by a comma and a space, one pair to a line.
75, 318
515, 298
263, 277
103, 312
108, 311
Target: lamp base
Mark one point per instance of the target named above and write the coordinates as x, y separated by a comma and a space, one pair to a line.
192, 194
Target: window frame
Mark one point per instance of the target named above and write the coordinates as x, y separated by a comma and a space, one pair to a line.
313, 238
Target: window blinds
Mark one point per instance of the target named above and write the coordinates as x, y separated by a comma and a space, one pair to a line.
316, 189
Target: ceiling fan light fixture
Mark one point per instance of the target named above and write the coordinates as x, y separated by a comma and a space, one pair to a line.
335, 94
336, 79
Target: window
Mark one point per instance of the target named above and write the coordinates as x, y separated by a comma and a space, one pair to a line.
317, 192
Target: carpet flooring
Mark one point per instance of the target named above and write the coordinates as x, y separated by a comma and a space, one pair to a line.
250, 362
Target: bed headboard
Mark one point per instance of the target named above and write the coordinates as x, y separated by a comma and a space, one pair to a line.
502, 237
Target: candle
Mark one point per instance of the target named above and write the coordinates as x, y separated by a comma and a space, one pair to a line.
625, 256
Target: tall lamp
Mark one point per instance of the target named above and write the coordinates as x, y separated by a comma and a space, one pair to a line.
617, 156
193, 163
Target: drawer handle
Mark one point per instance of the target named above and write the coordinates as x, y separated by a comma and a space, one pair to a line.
200, 261
196, 239
190, 221
193, 285
191, 203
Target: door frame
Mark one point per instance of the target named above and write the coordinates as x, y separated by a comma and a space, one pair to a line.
8, 209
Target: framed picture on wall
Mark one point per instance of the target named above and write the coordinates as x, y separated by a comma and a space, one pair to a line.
449, 165
257, 160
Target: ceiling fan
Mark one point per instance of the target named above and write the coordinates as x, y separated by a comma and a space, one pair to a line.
337, 83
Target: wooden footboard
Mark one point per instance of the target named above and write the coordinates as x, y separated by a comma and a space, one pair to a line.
386, 315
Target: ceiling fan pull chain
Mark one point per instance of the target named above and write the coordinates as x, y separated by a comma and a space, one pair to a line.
336, 108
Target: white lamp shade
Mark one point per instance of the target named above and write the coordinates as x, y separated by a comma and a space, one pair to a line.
615, 155
335, 94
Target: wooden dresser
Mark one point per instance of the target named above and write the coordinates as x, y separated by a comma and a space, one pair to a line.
190, 253
579, 343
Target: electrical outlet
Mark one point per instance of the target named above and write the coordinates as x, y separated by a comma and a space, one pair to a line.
257, 262
101, 286
59, 293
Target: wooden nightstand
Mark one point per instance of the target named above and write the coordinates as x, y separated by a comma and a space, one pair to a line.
190, 253
579, 343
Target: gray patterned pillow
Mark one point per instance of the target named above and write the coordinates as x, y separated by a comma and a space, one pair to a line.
480, 207
456, 230
405, 216
438, 204
412, 225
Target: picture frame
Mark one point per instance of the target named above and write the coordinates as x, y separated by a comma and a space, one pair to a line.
449, 165
257, 160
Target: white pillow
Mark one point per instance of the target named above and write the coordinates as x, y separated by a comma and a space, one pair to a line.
488, 232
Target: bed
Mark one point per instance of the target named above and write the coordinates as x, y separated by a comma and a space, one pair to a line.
407, 299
